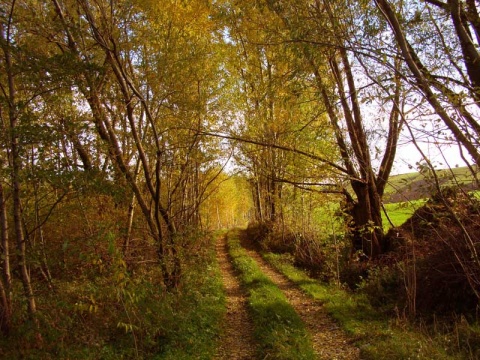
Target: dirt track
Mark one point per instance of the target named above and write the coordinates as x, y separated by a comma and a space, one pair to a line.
237, 342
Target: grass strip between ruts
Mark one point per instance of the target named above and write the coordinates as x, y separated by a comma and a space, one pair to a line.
280, 332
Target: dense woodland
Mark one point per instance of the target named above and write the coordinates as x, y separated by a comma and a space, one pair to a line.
130, 130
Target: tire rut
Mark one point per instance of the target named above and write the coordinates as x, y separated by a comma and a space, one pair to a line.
237, 340
329, 341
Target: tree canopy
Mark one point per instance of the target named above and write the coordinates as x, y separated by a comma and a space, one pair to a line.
175, 112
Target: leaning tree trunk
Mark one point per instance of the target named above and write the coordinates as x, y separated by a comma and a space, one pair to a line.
423, 79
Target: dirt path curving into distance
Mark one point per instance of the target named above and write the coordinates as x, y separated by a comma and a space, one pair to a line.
329, 341
237, 341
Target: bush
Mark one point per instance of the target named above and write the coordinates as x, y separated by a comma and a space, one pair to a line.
384, 288
306, 250
309, 253
109, 313
258, 232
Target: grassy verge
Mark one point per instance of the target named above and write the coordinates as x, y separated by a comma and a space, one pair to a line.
377, 337
194, 329
280, 332
118, 315
400, 212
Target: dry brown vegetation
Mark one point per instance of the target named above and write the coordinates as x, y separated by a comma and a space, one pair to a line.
438, 247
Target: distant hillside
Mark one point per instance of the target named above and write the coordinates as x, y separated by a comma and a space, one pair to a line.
412, 186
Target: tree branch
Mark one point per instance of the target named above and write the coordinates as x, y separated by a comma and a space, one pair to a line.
281, 147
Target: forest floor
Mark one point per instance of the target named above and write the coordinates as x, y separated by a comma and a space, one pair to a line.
329, 341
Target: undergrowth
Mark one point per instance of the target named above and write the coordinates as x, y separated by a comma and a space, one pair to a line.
194, 328
120, 315
280, 332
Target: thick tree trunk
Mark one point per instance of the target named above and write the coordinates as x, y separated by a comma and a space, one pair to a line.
366, 229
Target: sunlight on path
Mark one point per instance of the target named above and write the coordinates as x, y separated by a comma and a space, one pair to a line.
329, 341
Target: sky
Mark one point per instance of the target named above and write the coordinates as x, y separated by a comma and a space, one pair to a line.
442, 157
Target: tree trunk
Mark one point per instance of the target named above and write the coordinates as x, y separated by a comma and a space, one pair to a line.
128, 235
5, 310
366, 229
15, 167
5, 279
5, 245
